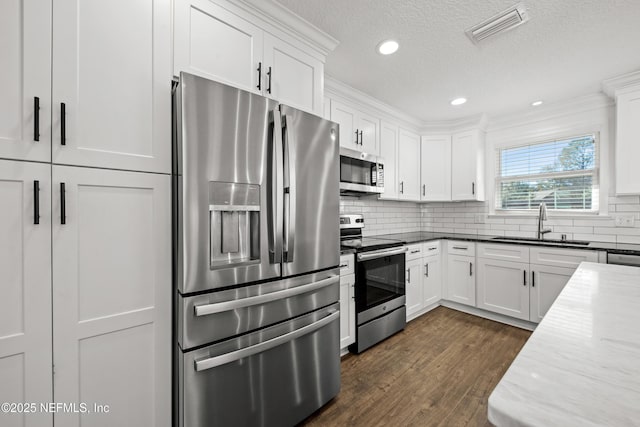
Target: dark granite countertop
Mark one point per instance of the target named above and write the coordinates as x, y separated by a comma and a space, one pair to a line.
425, 236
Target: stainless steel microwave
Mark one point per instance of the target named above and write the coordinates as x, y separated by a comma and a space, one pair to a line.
360, 173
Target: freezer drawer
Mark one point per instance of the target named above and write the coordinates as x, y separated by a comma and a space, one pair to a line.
273, 377
215, 316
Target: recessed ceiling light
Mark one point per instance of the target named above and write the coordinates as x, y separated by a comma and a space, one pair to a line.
458, 101
536, 103
388, 47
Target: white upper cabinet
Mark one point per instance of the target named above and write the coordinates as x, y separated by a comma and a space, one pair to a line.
25, 280
291, 76
358, 130
25, 79
111, 84
435, 168
409, 165
112, 295
389, 154
467, 165
627, 144
213, 41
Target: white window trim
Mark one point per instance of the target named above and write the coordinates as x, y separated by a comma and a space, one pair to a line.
603, 173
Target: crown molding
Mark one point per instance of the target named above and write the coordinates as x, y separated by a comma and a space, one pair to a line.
335, 88
614, 85
567, 107
289, 23
478, 121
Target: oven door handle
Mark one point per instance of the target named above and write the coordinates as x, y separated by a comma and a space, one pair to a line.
379, 254
220, 307
212, 362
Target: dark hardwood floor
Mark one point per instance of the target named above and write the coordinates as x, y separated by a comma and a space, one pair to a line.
439, 371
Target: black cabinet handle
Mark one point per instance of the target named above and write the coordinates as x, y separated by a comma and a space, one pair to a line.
36, 202
473, 188
401, 187
426, 266
63, 124
408, 275
259, 86
63, 205
470, 269
356, 136
424, 190
36, 118
360, 137
269, 80
524, 277
533, 279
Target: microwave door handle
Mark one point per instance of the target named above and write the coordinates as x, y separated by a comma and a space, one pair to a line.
289, 189
276, 190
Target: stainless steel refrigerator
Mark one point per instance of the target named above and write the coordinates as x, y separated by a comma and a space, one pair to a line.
256, 254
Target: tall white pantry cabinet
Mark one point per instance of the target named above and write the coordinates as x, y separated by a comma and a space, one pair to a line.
85, 162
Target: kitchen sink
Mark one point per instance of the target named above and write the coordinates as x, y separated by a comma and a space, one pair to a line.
531, 240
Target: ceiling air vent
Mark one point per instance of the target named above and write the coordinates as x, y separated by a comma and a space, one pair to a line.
499, 23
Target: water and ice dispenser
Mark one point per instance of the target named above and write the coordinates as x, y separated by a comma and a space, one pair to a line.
234, 211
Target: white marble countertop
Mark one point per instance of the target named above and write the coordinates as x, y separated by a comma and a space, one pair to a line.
581, 366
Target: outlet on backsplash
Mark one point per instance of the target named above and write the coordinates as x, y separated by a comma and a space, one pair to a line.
625, 220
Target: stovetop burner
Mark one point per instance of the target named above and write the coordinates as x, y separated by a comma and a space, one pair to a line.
351, 236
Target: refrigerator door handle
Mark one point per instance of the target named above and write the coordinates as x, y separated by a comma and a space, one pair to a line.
212, 362
219, 307
277, 190
289, 190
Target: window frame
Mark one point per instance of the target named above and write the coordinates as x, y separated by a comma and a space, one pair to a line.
597, 189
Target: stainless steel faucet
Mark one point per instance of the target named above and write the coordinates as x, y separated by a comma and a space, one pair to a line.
542, 216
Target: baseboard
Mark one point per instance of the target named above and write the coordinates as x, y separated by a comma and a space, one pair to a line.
522, 324
423, 311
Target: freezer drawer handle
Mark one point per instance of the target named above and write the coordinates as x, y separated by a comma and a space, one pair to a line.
220, 307
213, 362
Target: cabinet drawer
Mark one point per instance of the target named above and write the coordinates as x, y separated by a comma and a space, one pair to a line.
517, 253
347, 264
461, 248
431, 248
414, 251
570, 258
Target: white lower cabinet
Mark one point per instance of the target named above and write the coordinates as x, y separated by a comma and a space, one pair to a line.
413, 283
546, 284
112, 295
25, 281
503, 288
347, 310
432, 280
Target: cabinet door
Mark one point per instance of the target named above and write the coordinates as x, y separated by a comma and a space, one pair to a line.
347, 310
292, 77
503, 288
467, 169
546, 284
345, 116
461, 281
627, 142
212, 42
369, 126
25, 305
389, 154
432, 281
435, 168
409, 165
25, 74
112, 295
413, 286
111, 76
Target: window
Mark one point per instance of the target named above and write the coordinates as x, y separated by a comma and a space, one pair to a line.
562, 173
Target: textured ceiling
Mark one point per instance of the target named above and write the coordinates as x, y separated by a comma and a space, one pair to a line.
565, 50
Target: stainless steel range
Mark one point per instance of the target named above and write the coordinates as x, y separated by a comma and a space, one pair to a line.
380, 283
256, 258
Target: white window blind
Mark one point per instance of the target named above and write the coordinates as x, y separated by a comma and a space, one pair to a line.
562, 173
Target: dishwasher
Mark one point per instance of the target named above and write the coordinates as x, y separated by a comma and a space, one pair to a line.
623, 259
